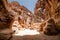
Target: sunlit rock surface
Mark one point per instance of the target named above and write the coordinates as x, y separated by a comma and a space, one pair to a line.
21, 14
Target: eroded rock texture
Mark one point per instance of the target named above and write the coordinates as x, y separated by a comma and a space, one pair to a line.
47, 10
5, 21
5, 18
21, 14
46, 17
10, 12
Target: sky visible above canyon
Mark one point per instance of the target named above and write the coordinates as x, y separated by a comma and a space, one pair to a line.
30, 4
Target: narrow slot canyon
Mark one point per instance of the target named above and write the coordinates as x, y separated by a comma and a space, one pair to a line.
17, 22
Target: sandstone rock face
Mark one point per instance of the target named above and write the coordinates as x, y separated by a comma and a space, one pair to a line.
43, 11
57, 18
5, 21
5, 18
12, 12
47, 10
39, 9
21, 14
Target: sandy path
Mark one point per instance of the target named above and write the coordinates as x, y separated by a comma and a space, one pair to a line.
36, 37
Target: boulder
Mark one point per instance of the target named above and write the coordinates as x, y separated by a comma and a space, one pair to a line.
50, 28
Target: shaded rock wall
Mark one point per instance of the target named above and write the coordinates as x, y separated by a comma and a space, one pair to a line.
47, 10
5, 18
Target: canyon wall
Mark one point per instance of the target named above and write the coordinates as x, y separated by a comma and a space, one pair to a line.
47, 10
